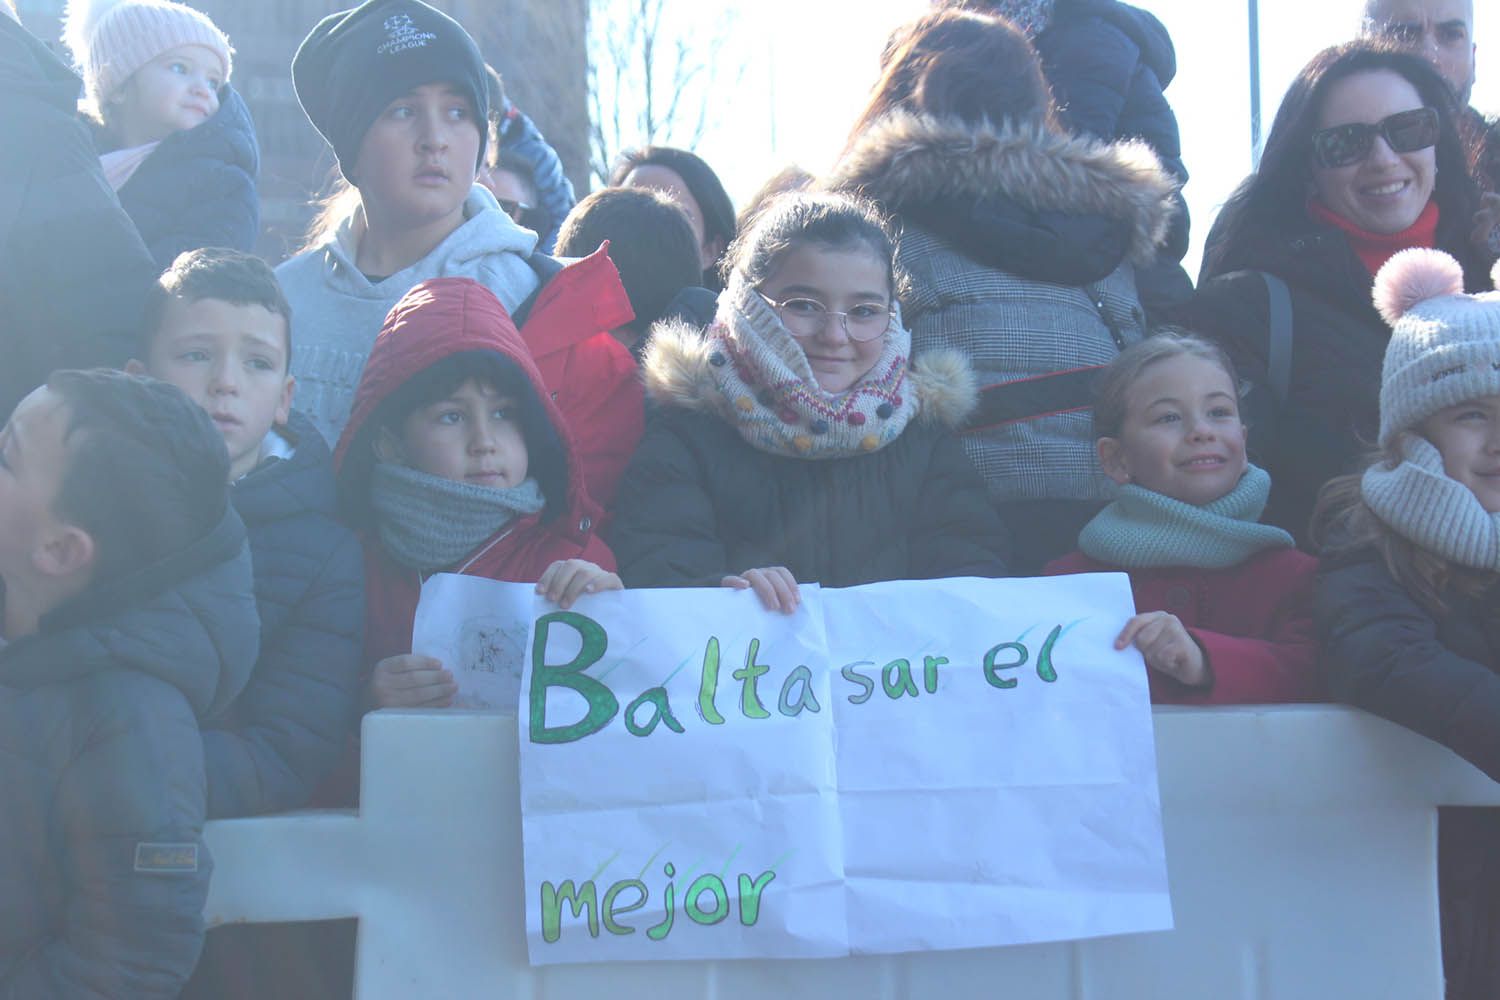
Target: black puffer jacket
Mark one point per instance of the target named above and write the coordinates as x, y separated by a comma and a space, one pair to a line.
1440, 677
101, 854
699, 503
197, 189
73, 271
1108, 64
286, 730
1331, 417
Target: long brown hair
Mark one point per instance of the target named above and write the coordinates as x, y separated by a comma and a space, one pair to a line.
961, 64
1342, 522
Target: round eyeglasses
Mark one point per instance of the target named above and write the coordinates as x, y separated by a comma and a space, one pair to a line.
804, 317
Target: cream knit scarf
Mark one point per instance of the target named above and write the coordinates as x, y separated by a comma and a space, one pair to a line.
1419, 502
768, 392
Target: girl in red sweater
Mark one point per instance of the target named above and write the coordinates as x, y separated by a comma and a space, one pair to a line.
1224, 602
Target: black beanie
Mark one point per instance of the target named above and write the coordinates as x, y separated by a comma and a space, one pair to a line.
355, 62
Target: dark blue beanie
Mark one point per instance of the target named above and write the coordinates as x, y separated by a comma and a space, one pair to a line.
355, 62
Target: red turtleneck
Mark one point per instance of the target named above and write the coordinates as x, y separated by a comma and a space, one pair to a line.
1374, 249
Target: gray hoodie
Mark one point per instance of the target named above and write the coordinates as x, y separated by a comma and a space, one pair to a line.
338, 311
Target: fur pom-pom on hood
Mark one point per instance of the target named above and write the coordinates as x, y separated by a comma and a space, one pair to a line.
907, 159
678, 372
1414, 276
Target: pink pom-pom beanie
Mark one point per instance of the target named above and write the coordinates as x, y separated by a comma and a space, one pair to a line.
1445, 345
112, 39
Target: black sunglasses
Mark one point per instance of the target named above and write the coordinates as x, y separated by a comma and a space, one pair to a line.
1404, 132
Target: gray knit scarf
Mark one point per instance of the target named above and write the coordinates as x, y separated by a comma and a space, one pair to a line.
428, 523
1419, 502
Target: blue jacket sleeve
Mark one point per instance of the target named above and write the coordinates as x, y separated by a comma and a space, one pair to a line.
293, 719
518, 135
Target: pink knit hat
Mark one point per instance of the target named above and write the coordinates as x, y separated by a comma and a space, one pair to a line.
111, 39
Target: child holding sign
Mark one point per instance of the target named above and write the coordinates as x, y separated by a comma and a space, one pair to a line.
1411, 563
456, 460
1225, 602
792, 440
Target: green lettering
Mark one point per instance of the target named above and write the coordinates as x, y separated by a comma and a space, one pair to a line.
553, 897
747, 675
602, 704
708, 686
657, 697
610, 909
807, 699
867, 686
1044, 658
991, 667
661, 930
901, 682
707, 883
750, 895
930, 666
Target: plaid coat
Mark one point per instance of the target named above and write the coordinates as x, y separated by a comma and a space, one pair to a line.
1020, 243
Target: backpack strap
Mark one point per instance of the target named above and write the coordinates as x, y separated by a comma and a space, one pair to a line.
1279, 330
546, 267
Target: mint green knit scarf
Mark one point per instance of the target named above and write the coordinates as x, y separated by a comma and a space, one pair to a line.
1143, 529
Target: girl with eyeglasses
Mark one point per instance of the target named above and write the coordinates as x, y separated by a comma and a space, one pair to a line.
1362, 161
794, 441
1022, 242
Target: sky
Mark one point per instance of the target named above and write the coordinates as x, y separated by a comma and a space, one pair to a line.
805, 68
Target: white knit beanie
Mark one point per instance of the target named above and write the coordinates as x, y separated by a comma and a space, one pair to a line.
1445, 345
111, 39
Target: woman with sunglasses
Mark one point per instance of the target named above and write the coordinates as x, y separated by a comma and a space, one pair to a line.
1021, 241
792, 441
1363, 160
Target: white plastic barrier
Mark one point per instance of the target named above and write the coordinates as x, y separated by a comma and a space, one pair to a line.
1301, 843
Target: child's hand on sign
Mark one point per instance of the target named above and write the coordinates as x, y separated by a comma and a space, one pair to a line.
569, 579
774, 585
1167, 647
410, 681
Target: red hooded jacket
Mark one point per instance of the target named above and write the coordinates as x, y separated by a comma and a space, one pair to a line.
438, 318
594, 378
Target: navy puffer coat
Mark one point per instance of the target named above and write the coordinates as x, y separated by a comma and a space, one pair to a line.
1440, 676
101, 850
284, 734
197, 189
1108, 64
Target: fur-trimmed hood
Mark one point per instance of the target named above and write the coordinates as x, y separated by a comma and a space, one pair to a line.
906, 161
678, 372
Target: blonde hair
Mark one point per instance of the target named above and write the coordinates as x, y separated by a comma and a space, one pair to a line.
341, 202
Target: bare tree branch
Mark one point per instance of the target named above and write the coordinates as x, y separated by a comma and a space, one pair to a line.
651, 75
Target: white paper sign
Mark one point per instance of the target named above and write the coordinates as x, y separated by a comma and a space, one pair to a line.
903, 766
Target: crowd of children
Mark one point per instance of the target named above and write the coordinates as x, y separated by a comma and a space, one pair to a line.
212, 543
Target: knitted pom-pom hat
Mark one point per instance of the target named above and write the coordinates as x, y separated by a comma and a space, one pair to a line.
111, 39
1445, 345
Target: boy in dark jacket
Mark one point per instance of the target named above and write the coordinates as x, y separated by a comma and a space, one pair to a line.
220, 331
128, 615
